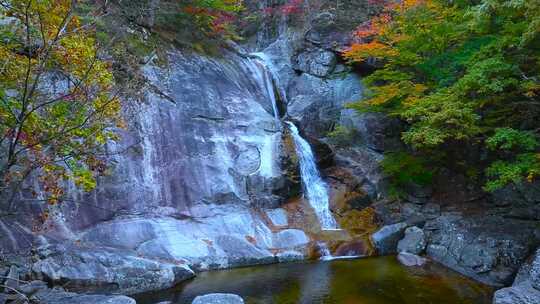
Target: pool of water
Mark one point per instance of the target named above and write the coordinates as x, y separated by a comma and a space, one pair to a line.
365, 281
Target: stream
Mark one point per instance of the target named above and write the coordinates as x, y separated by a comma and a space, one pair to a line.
379, 280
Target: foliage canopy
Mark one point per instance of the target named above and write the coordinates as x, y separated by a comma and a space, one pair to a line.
459, 73
58, 107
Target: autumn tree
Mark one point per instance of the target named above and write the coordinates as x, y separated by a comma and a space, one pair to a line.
58, 105
459, 74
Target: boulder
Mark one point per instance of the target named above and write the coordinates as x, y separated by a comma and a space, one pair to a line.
525, 289
354, 248
59, 296
107, 270
414, 241
218, 298
386, 239
240, 252
317, 62
211, 237
410, 260
520, 294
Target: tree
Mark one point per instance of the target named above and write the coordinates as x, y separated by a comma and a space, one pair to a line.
58, 106
213, 17
459, 73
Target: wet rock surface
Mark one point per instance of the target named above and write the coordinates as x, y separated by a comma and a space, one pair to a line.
222, 236
218, 298
410, 259
106, 270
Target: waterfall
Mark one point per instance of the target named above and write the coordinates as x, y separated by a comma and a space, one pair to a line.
315, 188
324, 251
326, 255
271, 81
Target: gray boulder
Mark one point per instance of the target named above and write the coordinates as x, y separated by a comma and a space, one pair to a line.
107, 270
414, 241
59, 296
218, 298
410, 260
521, 294
386, 239
525, 289
240, 252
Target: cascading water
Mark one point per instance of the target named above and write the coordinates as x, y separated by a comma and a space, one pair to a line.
324, 251
264, 75
326, 255
315, 188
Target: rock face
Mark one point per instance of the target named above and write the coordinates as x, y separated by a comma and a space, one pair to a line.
526, 287
278, 217
485, 237
203, 166
203, 154
414, 241
487, 248
218, 298
220, 237
317, 62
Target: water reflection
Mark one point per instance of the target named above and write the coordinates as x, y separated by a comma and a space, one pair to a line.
366, 281
315, 284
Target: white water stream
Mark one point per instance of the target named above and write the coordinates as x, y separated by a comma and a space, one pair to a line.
315, 188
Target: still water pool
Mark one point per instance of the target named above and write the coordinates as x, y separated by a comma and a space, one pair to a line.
366, 281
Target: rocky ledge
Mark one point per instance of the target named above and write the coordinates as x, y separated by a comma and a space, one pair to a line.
39, 292
106, 270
